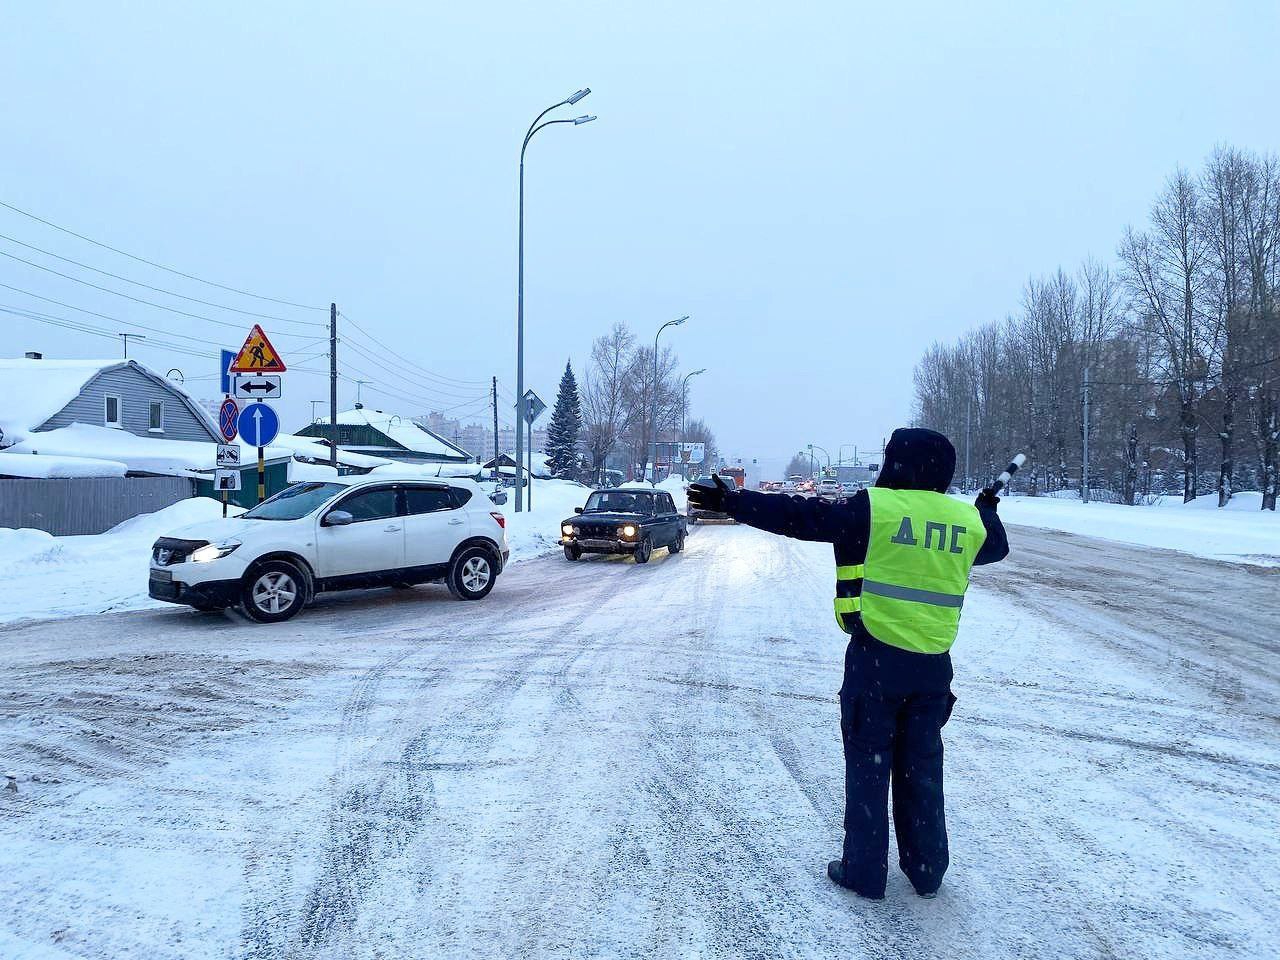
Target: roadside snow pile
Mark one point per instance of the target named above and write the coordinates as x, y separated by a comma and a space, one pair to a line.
1240, 532
57, 468
47, 576
673, 486
535, 532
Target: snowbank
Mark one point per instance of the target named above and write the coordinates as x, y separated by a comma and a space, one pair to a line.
1240, 533
58, 468
47, 576
142, 454
536, 531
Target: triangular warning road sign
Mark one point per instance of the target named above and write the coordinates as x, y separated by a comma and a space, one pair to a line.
257, 355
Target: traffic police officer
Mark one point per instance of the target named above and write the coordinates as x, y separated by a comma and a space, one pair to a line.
903, 552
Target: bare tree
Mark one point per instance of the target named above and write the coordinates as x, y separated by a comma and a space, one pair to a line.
1165, 269
1224, 183
605, 395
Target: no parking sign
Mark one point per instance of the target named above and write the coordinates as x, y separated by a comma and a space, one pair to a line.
228, 417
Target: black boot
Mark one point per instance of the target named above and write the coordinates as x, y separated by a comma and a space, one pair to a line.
835, 871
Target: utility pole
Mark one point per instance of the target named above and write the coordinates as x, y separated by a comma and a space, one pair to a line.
333, 385
125, 337
497, 467
1084, 471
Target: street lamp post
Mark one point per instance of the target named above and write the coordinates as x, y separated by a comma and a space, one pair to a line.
653, 405
534, 127
814, 446
684, 413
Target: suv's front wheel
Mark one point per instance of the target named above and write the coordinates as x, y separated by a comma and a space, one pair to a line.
274, 591
472, 573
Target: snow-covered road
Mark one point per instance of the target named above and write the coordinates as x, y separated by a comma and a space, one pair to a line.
610, 760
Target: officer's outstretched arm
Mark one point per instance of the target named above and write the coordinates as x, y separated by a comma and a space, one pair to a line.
996, 547
804, 518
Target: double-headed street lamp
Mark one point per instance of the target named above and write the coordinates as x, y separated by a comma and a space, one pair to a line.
814, 446
653, 419
538, 124
684, 411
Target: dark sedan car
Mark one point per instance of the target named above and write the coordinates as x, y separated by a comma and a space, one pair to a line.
631, 521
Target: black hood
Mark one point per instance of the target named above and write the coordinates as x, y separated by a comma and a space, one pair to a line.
917, 459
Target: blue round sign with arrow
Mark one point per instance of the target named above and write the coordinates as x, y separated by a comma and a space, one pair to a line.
259, 424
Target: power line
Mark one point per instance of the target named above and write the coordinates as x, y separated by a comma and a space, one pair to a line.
374, 386
34, 315
423, 385
406, 394
424, 370
171, 293
158, 306
158, 266
79, 327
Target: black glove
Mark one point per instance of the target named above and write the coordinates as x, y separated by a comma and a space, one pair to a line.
987, 500
710, 496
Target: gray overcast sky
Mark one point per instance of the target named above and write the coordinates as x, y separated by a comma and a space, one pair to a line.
826, 188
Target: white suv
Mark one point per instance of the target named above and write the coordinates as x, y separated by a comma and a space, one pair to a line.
335, 535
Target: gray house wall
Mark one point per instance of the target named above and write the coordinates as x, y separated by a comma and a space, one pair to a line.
136, 391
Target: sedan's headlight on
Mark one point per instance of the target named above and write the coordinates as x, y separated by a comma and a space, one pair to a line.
629, 531
566, 529
214, 551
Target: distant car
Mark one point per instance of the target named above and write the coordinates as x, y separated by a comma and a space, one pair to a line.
625, 520
334, 535
790, 486
848, 488
695, 515
829, 489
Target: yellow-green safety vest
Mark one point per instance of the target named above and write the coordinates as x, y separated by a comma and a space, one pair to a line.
910, 589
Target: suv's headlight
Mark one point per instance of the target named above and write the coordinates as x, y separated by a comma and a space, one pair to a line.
628, 531
566, 529
214, 551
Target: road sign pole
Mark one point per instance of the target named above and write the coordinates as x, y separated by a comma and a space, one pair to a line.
262, 477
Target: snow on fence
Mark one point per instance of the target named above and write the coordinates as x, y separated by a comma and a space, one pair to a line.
86, 505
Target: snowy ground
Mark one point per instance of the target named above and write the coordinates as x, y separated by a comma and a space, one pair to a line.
608, 760
1240, 532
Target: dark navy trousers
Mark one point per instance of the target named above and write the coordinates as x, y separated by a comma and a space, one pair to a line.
893, 705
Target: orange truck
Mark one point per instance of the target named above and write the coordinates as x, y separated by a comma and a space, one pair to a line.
737, 474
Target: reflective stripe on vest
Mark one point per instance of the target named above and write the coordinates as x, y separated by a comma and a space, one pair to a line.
910, 590
848, 588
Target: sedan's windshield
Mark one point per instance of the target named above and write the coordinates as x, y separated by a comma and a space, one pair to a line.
294, 502
619, 501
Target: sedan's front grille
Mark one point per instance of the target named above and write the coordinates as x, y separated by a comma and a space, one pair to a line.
169, 550
598, 531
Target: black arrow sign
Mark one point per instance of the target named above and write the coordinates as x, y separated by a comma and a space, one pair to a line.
261, 385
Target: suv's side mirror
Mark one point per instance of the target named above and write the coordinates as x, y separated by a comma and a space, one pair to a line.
577, 509
337, 518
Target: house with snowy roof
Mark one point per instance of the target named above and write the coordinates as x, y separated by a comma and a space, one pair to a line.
377, 433
39, 395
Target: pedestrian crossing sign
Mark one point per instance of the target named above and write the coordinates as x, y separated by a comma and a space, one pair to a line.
257, 355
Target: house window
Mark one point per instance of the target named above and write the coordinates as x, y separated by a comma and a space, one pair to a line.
156, 423
111, 415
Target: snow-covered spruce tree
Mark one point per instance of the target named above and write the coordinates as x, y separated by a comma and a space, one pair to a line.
565, 428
